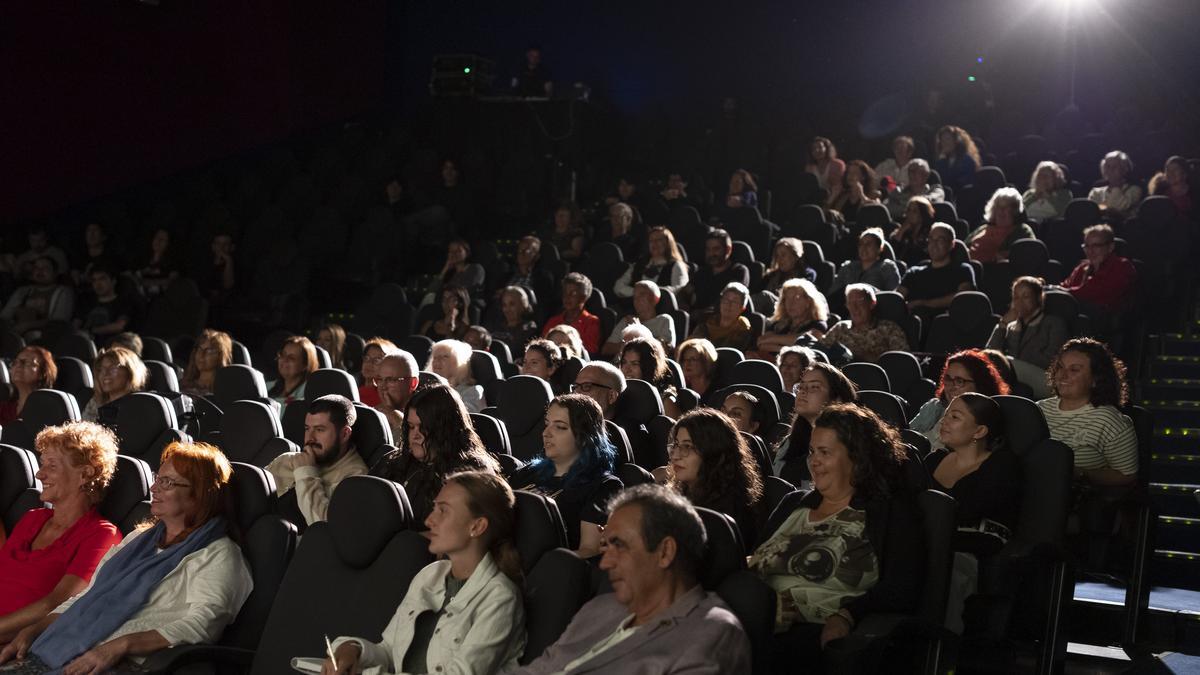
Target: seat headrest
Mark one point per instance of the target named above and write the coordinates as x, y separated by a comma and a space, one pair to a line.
886, 405
17, 469
328, 381
1024, 423
724, 552
130, 486
370, 431
768, 405
536, 529
72, 371
485, 367
162, 376
48, 407
365, 512
640, 402
760, 372
523, 401
141, 419
253, 493
237, 382
969, 308
245, 427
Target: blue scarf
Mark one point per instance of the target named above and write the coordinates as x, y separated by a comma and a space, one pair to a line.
121, 588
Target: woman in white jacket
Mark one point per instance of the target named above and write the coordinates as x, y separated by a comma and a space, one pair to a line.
461, 615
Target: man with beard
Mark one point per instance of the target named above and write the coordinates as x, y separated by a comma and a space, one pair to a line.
719, 272
306, 480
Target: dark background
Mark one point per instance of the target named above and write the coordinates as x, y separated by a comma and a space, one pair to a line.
106, 94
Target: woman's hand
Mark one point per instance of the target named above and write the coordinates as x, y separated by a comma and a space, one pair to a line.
1009, 316
98, 660
836, 627
733, 201
347, 655
18, 649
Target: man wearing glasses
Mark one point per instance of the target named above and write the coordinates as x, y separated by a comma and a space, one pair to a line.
603, 383
1103, 283
396, 380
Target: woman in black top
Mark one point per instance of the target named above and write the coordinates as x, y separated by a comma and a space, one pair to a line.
576, 469
978, 470
437, 439
712, 466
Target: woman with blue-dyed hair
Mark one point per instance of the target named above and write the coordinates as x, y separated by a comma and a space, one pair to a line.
575, 469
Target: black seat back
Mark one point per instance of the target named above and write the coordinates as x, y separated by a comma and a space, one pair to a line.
888, 406
127, 501
19, 486
146, 424
156, 349
162, 377
44, 408
537, 528
371, 434
522, 408
75, 377
327, 381
252, 434
867, 376
493, 433
724, 553
237, 383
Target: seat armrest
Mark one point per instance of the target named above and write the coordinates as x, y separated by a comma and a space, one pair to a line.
172, 659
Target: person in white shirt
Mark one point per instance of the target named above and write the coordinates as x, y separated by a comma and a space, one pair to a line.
896, 166
452, 360
1117, 197
463, 614
646, 295
327, 459
181, 580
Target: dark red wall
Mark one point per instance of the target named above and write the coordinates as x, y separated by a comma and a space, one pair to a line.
103, 94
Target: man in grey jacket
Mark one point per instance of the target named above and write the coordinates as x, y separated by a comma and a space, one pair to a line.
658, 619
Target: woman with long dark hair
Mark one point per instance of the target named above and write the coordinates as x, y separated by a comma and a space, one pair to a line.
968, 370
821, 386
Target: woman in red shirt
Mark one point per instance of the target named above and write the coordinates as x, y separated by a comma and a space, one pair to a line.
52, 552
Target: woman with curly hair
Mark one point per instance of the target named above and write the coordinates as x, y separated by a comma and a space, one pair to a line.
1089, 387
957, 157
436, 440
1047, 196
853, 545
857, 188
575, 469
644, 359
801, 310
712, 466
823, 163
1175, 181
968, 370
1004, 223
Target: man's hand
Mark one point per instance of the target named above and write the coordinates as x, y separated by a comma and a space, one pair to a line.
98, 660
307, 457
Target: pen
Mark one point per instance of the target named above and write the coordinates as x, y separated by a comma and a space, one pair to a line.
329, 652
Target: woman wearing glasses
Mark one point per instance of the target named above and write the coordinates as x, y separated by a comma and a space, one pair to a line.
968, 370
712, 466
33, 369
297, 358
575, 469
53, 551
213, 351
819, 387
118, 372
373, 352
180, 580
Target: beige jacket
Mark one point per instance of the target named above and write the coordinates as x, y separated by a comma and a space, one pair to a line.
314, 485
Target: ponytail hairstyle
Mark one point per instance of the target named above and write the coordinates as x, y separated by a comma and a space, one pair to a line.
490, 497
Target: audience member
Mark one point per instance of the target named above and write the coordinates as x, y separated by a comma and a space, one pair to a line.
643, 359
213, 351
1117, 197
603, 383
929, 289
97, 249
1104, 282
675, 194
373, 354
576, 289
542, 359
41, 301
1003, 226
792, 361
896, 166
860, 507
117, 372
465, 611
1029, 336
663, 264
40, 247
527, 274
646, 295
1089, 387
911, 239
297, 359
719, 270
821, 386
1048, 195
863, 334
870, 267
967, 371
787, 262
698, 358
1175, 181
478, 337
569, 340
33, 369
567, 232
454, 320
458, 271
452, 360
332, 338
109, 312
218, 279
53, 551
743, 191
161, 266
742, 408
801, 310
620, 220
328, 458
129, 340
436, 439
728, 327
658, 619
823, 163
575, 469
857, 188
180, 580
395, 381
918, 186
516, 327
957, 157
534, 80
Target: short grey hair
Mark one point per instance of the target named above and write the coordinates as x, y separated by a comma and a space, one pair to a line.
917, 163
1126, 162
650, 285
861, 288
613, 373
739, 288
665, 513
1008, 193
405, 359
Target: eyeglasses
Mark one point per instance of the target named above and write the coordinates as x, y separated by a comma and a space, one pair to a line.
166, 483
389, 381
284, 356
811, 387
373, 360
957, 381
26, 363
587, 387
209, 351
679, 451
1088, 247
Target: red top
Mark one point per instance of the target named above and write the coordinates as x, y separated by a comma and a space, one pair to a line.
368, 395
1110, 286
27, 575
587, 324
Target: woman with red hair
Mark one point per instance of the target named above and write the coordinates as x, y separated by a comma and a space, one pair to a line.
968, 370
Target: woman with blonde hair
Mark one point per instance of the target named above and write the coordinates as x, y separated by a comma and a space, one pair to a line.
297, 359
213, 351
332, 338
118, 372
1047, 196
663, 264
801, 310
957, 157
452, 360
787, 262
1003, 226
